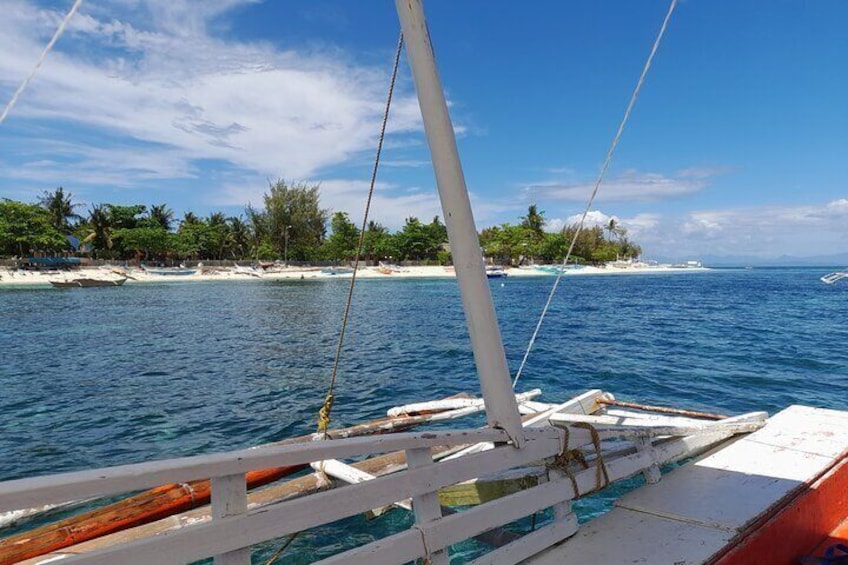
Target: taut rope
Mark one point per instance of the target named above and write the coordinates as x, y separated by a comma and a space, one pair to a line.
600, 178
41, 59
326, 409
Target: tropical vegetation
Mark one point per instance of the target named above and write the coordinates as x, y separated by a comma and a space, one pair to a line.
291, 225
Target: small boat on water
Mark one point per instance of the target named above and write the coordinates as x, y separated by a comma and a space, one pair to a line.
831, 278
495, 272
86, 282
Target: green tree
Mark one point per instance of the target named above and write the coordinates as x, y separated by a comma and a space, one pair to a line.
412, 241
241, 238
295, 221
60, 206
28, 227
343, 240
437, 237
160, 215
145, 242
379, 243
98, 230
218, 236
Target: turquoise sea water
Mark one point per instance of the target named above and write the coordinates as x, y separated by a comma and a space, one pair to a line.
105, 376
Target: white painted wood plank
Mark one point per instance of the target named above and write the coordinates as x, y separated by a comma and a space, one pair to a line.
709, 491
351, 475
609, 427
453, 404
33, 492
581, 404
530, 544
426, 505
814, 430
625, 537
229, 498
199, 541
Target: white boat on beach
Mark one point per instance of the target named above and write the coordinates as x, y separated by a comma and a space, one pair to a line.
249, 271
763, 490
87, 282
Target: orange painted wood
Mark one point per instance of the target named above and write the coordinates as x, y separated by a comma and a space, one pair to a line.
142, 508
803, 520
163, 501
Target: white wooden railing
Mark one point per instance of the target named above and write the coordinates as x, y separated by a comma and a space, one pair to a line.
234, 528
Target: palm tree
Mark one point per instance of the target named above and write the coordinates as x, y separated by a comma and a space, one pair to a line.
100, 227
534, 220
61, 208
190, 219
612, 227
240, 233
162, 216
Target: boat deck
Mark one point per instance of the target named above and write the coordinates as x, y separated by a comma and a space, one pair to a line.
712, 510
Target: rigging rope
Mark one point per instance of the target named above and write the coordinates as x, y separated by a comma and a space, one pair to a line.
600, 179
326, 409
41, 59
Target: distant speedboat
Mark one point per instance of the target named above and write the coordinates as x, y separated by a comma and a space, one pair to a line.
83, 282
495, 272
831, 278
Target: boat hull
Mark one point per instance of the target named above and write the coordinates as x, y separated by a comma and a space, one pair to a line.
88, 283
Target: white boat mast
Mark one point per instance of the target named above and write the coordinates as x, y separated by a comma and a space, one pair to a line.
489, 356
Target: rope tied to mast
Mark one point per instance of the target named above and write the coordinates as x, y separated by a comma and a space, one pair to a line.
327, 408
598, 181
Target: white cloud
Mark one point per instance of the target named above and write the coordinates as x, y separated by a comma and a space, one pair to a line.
158, 76
629, 186
766, 231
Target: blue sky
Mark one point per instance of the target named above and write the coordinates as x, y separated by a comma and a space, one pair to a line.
738, 144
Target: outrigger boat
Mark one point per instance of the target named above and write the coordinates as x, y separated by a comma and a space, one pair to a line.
768, 497
87, 282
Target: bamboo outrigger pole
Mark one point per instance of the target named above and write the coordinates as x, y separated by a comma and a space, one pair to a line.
489, 356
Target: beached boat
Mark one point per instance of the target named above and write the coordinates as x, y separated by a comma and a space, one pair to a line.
769, 497
337, 271
87, 282
249, 271
169, 272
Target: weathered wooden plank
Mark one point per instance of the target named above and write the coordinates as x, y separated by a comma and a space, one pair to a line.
624, 537
583, 404
273, 494
28, 493
707, 491
199, 541
531, 544
229, 498
404, 546
426, 505
482, 490
609, 427
451, 404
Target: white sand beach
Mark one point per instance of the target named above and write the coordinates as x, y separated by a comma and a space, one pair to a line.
20, 278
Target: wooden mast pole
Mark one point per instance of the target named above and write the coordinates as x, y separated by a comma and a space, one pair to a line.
489, 356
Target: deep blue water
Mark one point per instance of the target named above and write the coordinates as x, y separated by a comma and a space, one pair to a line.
98, 377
